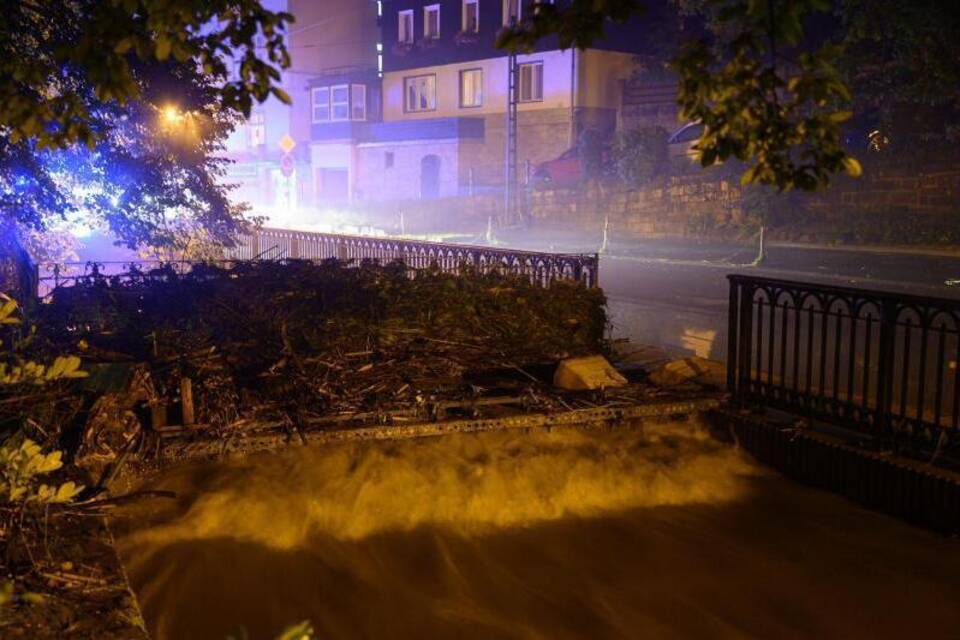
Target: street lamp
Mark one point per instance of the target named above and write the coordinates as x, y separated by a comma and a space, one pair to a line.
178, 124
171, 114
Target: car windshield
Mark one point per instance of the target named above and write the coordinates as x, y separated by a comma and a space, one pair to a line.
687, 133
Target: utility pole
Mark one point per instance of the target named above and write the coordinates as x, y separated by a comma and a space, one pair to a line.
510, 213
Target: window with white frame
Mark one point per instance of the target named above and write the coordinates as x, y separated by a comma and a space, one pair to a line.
358, 102
431, 21
339, 102
320, 102
471, 16
405, 27
420, 92
471, 88
257, 128
511, 11
530, 81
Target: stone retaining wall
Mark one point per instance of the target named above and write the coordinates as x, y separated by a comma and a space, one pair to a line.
711, 205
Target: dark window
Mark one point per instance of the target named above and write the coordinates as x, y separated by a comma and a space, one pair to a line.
388, 160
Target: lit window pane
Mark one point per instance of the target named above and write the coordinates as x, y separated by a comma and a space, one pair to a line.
511, 11
471, 22
421, 92
471, 88
531, 82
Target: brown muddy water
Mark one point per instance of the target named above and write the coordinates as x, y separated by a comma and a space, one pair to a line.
654, 532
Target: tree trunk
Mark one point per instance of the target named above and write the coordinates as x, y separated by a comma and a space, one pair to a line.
18, 276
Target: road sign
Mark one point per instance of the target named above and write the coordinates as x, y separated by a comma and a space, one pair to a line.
286, 165
287, 143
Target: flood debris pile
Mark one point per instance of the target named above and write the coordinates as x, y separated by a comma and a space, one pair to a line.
59, 574
314, 345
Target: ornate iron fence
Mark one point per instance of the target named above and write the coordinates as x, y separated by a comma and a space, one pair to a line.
280, 244
541, 268
883, 363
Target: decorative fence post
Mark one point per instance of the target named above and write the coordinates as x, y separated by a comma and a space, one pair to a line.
732, 336
881, 363
885, 366
745, 338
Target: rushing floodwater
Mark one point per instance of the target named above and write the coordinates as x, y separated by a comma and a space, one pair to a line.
655, 533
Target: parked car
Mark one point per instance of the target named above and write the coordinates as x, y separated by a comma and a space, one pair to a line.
566, 170
681, 142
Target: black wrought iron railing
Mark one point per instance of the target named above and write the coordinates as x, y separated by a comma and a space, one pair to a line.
281, 244
542, 268
883, 363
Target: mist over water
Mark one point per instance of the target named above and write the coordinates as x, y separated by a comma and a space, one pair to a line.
634, 532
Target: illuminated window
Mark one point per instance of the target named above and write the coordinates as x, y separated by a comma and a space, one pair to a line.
471, 88
431, 21
471, 16
420, 92
339, 102
358, 102
530, 82
511, 11
320, 101
257, 126
405, 26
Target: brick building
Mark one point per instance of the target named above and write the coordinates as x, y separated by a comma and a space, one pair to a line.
427, 117
407, 99
445, 98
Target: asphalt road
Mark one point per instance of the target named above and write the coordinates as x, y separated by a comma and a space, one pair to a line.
675, 295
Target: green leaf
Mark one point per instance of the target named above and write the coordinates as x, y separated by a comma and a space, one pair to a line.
123, 46
302, 631
6, 310
162, 50
838, 117
66, 492
852, 166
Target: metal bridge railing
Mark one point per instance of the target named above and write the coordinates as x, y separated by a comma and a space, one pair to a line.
280, 244
883, 363
541, 268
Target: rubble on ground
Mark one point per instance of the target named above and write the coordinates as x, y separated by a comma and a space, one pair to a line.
299, 346
688, 370
590, 372
313, 345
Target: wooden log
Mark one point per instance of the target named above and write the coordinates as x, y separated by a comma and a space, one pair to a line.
186, 400
158, 415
